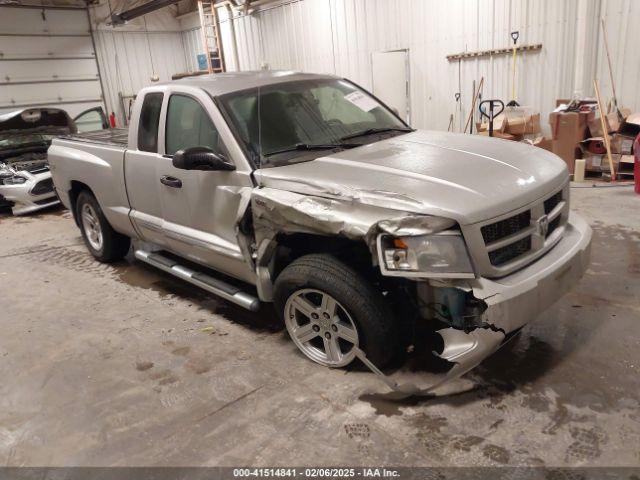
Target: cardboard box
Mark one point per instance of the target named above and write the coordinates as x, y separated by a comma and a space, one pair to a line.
612, 122
622, 144
569, 125
600, 163
523, 125
594, 146
626, 164
627, 159
593, 163
568, 130
631, 126
633, 118
505, 136
544, 143
499, 124
605, 163
567, 151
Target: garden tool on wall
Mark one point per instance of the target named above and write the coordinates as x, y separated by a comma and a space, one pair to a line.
455, 116
513, 103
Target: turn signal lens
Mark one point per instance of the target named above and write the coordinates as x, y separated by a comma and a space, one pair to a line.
399, 243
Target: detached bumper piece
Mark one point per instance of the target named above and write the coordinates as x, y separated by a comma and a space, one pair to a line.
511, 302
464, 350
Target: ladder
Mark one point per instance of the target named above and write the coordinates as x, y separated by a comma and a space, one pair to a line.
211, 41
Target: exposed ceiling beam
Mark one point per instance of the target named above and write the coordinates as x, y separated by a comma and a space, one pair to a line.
152, 6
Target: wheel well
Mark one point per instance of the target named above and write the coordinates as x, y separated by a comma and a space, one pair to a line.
292, 246
76, 188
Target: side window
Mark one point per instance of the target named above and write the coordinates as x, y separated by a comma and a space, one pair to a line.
148, 126
189, 125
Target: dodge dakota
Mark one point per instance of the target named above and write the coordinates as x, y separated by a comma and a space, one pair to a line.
306, 191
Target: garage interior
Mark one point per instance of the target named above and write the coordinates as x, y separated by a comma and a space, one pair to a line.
123, 365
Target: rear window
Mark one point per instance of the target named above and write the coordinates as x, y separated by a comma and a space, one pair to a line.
148, 126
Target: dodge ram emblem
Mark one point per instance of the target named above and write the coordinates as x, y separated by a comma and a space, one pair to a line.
543, 225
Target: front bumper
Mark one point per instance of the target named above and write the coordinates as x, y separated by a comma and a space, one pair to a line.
517, 299
22, 198
512, 302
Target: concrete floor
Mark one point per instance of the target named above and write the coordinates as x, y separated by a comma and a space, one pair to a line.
122, 365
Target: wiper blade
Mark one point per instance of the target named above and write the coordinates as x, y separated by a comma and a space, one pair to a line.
371, 131
312, 146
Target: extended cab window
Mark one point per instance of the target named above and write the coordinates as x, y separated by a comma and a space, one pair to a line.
148, 126
189, 125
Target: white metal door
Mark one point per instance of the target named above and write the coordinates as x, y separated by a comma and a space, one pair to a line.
47, 59
390, 75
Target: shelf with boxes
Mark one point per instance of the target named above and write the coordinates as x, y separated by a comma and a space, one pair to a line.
576, 130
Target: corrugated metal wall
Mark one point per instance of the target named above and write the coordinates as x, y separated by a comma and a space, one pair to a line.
128, 66
130, 55
192, 42
338, 36
622, 21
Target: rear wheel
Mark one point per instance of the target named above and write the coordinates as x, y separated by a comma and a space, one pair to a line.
104, 243
329, 308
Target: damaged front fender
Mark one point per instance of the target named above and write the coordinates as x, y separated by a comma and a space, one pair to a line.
278, 211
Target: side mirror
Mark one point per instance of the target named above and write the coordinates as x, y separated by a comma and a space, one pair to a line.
201, 158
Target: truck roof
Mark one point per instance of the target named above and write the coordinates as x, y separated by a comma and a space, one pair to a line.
222, 83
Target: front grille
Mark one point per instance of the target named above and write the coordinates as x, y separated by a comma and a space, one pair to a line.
552, 202
496, 231
42, 187
510, 252
511, 242
553, 224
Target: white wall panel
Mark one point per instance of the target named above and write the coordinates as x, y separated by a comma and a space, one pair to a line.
192, 44
47, 58
129, 59
338, 36
131, 54
622, 19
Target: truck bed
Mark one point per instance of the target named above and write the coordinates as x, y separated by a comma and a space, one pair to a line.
117, 137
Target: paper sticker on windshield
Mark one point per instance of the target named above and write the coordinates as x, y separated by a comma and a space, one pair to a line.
362, 101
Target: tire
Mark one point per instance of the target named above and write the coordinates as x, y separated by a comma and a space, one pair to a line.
102, 241
313, 277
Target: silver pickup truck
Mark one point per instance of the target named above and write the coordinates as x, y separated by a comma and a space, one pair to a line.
370, 238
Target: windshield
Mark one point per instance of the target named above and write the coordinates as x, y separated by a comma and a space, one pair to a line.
299, 121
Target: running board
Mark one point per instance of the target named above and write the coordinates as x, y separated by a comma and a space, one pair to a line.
202, 280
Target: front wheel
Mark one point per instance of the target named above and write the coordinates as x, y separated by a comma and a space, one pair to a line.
102, 241
329, 308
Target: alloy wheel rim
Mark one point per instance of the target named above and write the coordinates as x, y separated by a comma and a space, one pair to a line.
92, 227
321, 327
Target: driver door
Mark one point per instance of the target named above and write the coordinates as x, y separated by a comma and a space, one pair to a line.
199, 208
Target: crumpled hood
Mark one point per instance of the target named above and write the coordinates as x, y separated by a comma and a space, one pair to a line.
36, 120
468, 178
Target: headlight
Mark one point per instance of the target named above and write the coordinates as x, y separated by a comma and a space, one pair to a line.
440, 255
15, 180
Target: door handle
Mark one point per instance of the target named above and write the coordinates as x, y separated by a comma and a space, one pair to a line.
172, 182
